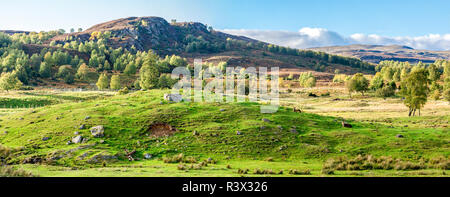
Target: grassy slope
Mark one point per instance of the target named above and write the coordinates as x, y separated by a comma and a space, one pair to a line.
128, 118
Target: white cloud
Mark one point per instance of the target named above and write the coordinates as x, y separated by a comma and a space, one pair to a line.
318, 37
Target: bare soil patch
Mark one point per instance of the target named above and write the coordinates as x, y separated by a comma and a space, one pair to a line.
161, 130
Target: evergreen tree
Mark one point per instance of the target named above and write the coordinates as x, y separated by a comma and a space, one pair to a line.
149, 73
130, 69
45, 70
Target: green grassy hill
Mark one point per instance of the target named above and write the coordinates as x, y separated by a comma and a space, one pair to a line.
139, 121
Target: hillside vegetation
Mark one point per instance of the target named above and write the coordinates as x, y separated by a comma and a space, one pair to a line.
234, 134
118, 46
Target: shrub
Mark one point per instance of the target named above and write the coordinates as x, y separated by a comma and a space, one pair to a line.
300, 172
327, 171
385, 92
370, 162
436, 95
269, 159
179, 159
266, 171
8, 171
123, 91
240, 171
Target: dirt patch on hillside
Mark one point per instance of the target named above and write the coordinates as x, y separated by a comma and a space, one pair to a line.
161, 130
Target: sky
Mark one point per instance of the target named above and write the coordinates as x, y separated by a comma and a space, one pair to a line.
294, 23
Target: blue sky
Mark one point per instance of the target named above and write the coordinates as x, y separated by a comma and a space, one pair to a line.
390, 18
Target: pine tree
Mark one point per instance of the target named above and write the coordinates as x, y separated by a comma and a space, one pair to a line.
130, 69
149, 73
45, 70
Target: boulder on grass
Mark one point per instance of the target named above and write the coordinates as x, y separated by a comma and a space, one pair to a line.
173, 97
98, 131
77, 139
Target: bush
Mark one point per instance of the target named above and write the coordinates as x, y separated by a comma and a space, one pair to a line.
447, 95
123, 91
300, 172
385, 92
8, 171
370, 162
436, 95
266, 171
179, 159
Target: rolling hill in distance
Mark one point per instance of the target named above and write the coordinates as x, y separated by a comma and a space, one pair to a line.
378, 53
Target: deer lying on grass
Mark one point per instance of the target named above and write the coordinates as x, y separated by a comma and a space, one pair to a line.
297, 110
130, 154
346, 125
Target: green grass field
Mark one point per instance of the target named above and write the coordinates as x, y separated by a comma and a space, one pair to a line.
289, 144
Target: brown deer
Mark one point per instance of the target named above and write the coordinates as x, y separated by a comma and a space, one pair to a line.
130, 154
297, 110
346, 125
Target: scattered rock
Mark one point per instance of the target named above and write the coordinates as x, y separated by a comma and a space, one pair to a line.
266, 120
5, 132
399, 136
45, 138
294, 131
147, 156
77, 139
222, 110
263, 127
173, 97
406, 126
82, 127
102, 141
57, 118
76, 133
195, 133
21, 118
98, 131
238, 133
69, 142
85, 140
280, 127
87, 118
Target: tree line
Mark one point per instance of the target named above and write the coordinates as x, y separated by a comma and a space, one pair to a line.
414, 83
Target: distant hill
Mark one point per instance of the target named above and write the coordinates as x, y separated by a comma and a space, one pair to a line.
12, 32
195, 40
377, 53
